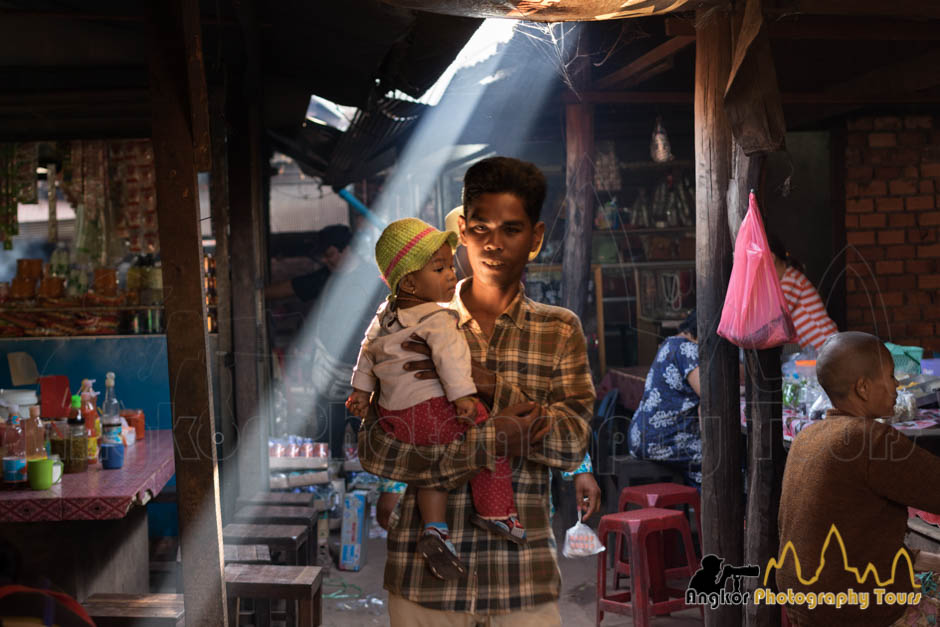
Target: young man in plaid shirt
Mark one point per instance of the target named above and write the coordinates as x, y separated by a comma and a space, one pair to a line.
531, 367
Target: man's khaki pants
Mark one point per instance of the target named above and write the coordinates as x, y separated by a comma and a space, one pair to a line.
405, 613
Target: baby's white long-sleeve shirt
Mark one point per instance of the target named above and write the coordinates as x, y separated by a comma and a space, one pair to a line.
382, 358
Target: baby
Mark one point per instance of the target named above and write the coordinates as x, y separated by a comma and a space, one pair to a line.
416, 261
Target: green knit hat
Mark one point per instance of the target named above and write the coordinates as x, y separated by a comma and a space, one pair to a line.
406, 246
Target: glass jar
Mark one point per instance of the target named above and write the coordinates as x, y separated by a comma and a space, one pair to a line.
76, 458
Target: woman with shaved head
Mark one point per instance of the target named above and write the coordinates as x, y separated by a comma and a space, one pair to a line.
858, 476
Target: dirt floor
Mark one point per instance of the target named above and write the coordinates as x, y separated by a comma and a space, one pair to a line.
368, 608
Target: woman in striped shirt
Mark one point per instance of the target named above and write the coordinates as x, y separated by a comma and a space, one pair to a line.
813, 324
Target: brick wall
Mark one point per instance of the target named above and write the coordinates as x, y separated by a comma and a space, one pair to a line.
892, 189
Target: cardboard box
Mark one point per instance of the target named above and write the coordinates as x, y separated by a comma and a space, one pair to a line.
355, 531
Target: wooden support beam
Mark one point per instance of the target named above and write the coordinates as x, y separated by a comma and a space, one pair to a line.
722, 489
196, 79
649, 60
187, 344
579, 197
792, 99
831, 28
224, 360
247, 272
764, 472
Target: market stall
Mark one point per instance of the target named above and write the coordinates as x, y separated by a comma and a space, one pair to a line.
92, 526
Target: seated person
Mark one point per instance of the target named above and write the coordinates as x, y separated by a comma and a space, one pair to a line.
812, 322
859, 476
665, 426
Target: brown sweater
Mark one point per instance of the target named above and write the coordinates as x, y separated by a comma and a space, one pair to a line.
860, 475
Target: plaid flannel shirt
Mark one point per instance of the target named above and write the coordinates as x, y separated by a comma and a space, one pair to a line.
539, 354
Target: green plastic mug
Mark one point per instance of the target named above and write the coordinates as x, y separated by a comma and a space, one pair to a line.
44, 473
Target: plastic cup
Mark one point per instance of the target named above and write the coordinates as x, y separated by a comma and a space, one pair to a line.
44, 473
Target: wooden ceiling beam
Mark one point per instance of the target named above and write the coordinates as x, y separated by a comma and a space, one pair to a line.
833, 28
651, 59
790, 99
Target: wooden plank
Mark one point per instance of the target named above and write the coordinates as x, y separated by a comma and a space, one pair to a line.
196, 79
187, 344
764, 472
276, 498
881, 8
649, 60
856, 97
722, 503
831, 28
629, 97
579, 196
224, 360
272, 581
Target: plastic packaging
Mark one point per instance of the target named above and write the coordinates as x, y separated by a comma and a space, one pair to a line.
905, 407
581, 541
820, 405
755, 313
14, 456
35, 435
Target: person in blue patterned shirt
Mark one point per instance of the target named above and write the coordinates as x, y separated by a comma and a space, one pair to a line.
665, 426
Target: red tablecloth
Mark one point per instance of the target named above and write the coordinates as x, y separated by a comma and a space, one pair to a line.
630, 381
98, 494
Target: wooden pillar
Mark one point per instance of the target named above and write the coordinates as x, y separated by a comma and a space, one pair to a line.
224, 361
764, 471
247, 285
722, 486
579, 197
175, 36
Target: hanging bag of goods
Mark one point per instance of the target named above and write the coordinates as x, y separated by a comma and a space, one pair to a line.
755, 314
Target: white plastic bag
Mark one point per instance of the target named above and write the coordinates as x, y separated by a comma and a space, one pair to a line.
581, 541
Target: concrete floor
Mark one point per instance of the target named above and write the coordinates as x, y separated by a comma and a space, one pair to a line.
577, 598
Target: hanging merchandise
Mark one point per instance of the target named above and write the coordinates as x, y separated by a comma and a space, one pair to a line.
606, 168
755, 314
18, 164
640, 213
658, 216
660, 150
686, 202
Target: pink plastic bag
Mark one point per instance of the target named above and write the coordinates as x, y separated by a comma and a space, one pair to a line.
755, 314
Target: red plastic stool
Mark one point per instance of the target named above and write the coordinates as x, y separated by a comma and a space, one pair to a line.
663, 495
642, 529
656, 495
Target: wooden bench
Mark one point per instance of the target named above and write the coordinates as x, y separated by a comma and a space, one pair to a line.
136, 610
293, 540
295, 584
247, 554
301, 499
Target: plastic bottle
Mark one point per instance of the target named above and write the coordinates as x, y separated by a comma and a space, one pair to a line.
76, 408
14, 458
110, 413
91, 419
35, 435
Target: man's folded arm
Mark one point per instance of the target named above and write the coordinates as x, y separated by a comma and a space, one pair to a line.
570, 406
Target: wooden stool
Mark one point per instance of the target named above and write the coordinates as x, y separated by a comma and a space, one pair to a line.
282, 515
300, 584
136, 610
301, 499
292, 539
247, 554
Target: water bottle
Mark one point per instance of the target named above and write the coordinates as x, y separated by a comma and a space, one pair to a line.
14, 458
111, 413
